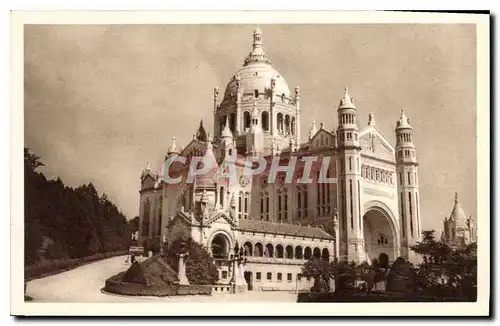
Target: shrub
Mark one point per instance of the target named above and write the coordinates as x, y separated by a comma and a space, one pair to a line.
135, 274
200, 267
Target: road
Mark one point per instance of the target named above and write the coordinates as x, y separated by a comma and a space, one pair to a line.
84, 284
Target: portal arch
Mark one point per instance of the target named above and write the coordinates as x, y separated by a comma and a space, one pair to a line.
382, 238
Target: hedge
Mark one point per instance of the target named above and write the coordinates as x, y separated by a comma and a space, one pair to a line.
115, 285
373, 296
50, 267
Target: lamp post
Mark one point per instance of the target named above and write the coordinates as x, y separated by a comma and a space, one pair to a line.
233, 258
237, 257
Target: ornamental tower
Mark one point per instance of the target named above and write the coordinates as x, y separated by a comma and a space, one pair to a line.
407, 176
351, 227
258, 84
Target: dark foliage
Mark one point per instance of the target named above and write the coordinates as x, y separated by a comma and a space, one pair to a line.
401, 277
200, 267
374, 296
135, 274
68, 223
445, 270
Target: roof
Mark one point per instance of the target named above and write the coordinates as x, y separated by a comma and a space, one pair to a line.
458, 215
284, 228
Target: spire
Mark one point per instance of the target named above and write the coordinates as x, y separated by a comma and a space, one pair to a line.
148, 166
209, 142
233, 200
403, 121
257, 41
458, 214
257, 54
347, 101
226, 132
371, 119
173, 148
313, 129
201, 134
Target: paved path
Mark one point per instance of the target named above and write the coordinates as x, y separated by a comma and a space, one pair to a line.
84, 284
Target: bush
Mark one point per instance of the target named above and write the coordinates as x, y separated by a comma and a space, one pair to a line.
135, 274
200, 267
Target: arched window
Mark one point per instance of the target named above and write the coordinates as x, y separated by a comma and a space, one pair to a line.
243, 204
325, 254
307, 253
246, 119
256, 93
258, 250
265, 121
221, 196
248, 249
289, 252
264, 206
317, 253
298, 252
302, 201
232, 121
220, 246
287, 124
280, 122
145, 217
279, 251
269, 251
283, 97
158, 220
282, 209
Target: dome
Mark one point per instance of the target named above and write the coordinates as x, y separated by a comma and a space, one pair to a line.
458, 215
403, 122
257, 76
256, 73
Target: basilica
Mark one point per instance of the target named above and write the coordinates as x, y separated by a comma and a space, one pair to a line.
370, 212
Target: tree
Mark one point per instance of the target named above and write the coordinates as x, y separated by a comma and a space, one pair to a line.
321, 271
445, 270
367, 273
31, 161
345, 276
77, 220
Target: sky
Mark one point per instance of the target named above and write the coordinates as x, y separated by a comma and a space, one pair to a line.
102, 100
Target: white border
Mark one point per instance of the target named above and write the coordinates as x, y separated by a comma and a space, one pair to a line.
18, 306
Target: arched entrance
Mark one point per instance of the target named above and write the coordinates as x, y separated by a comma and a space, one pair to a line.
383, 260
381, 241
220, 246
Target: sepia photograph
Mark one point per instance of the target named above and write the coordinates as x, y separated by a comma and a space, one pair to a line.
199, 159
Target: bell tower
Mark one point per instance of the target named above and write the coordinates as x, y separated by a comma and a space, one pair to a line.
408, 193
351, 227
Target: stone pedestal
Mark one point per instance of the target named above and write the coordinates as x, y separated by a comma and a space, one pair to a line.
241, 283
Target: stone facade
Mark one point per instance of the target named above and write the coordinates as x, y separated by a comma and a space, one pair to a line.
370, 210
